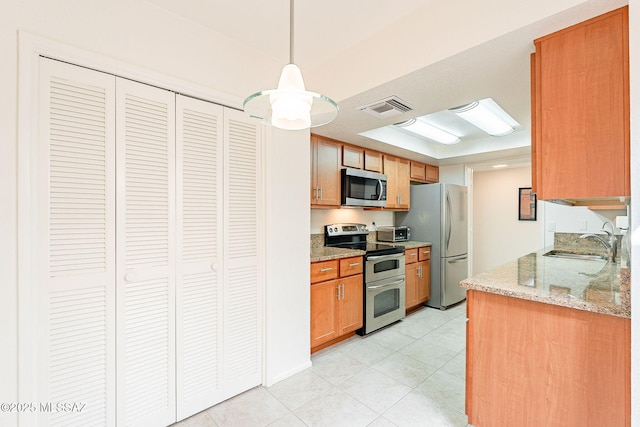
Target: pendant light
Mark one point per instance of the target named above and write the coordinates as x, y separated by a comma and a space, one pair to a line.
291, 106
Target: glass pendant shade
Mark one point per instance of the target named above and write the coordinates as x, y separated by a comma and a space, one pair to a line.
290, 106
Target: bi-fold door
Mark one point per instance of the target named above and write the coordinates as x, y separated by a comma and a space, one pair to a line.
146, 311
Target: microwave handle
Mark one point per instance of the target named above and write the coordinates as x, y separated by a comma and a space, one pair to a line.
381, 188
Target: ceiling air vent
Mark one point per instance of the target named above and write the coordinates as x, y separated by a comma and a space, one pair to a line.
387, 107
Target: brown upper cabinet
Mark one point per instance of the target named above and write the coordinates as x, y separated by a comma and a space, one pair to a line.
329, 156
360, 158
352, 157
325, 172
421, 172
398, 182
580, 112
373, 161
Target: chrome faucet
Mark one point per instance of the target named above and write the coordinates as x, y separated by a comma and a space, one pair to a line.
611, 245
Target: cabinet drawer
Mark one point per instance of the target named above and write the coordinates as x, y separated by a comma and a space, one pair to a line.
324, 270
350, 266
411, 255
424, 253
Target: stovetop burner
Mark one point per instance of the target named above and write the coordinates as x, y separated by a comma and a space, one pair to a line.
354, 236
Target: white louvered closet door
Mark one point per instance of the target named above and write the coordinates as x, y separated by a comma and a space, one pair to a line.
73, 306
145, 185
199, 233
242, 282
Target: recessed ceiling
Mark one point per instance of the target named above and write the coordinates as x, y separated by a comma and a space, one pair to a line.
327, 32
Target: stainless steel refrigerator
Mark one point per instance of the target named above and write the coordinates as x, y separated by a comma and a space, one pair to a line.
438, 215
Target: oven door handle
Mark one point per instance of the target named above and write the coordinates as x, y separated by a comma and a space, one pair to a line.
396, 282
385, 256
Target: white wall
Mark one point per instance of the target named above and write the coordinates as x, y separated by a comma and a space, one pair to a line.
498, 235
288, 293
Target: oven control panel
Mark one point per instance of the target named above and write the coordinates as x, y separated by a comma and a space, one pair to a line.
345, 229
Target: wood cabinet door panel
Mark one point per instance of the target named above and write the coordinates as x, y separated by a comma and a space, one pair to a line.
350, 304
352, 157
373, 161
554, 365
411, 281
403, 185
325, 171
324, 314
424, 281
432, 173
390, 168
418, 171
582, 112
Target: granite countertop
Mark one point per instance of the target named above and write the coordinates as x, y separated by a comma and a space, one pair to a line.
409, 244
596, 286
326, 253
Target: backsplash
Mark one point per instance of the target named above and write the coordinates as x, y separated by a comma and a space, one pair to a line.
571, 242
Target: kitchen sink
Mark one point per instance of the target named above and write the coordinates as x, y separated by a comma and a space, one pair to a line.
570, 255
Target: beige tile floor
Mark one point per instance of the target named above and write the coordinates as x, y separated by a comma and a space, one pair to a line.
409, 374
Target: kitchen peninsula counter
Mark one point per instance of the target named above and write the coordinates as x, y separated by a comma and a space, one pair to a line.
595, 286
549, 343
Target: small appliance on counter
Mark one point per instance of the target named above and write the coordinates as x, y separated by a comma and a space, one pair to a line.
384, 278
391, 233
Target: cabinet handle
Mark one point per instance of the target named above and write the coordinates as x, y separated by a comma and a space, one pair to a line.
342, 287
320, 193
354, 264
413, 254
398, 199
324, 270
425, 252
420, 271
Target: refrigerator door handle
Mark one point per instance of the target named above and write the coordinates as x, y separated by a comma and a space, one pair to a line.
453, 261
448, 219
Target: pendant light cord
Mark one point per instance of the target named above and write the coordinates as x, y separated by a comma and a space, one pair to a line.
291, 14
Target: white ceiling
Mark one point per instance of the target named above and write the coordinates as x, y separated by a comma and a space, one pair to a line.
326, 29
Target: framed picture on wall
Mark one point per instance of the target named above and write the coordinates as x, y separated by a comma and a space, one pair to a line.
527, 204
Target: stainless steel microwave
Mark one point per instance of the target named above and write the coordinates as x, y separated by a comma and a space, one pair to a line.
363, 188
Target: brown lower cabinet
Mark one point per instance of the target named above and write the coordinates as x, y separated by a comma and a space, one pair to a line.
537, 364
336, 304
417, 276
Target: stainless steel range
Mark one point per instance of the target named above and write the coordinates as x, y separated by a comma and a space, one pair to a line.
384, 278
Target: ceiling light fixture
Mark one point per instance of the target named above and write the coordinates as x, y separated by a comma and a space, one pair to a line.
499, 166
291, 106
488, 116
426, 130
